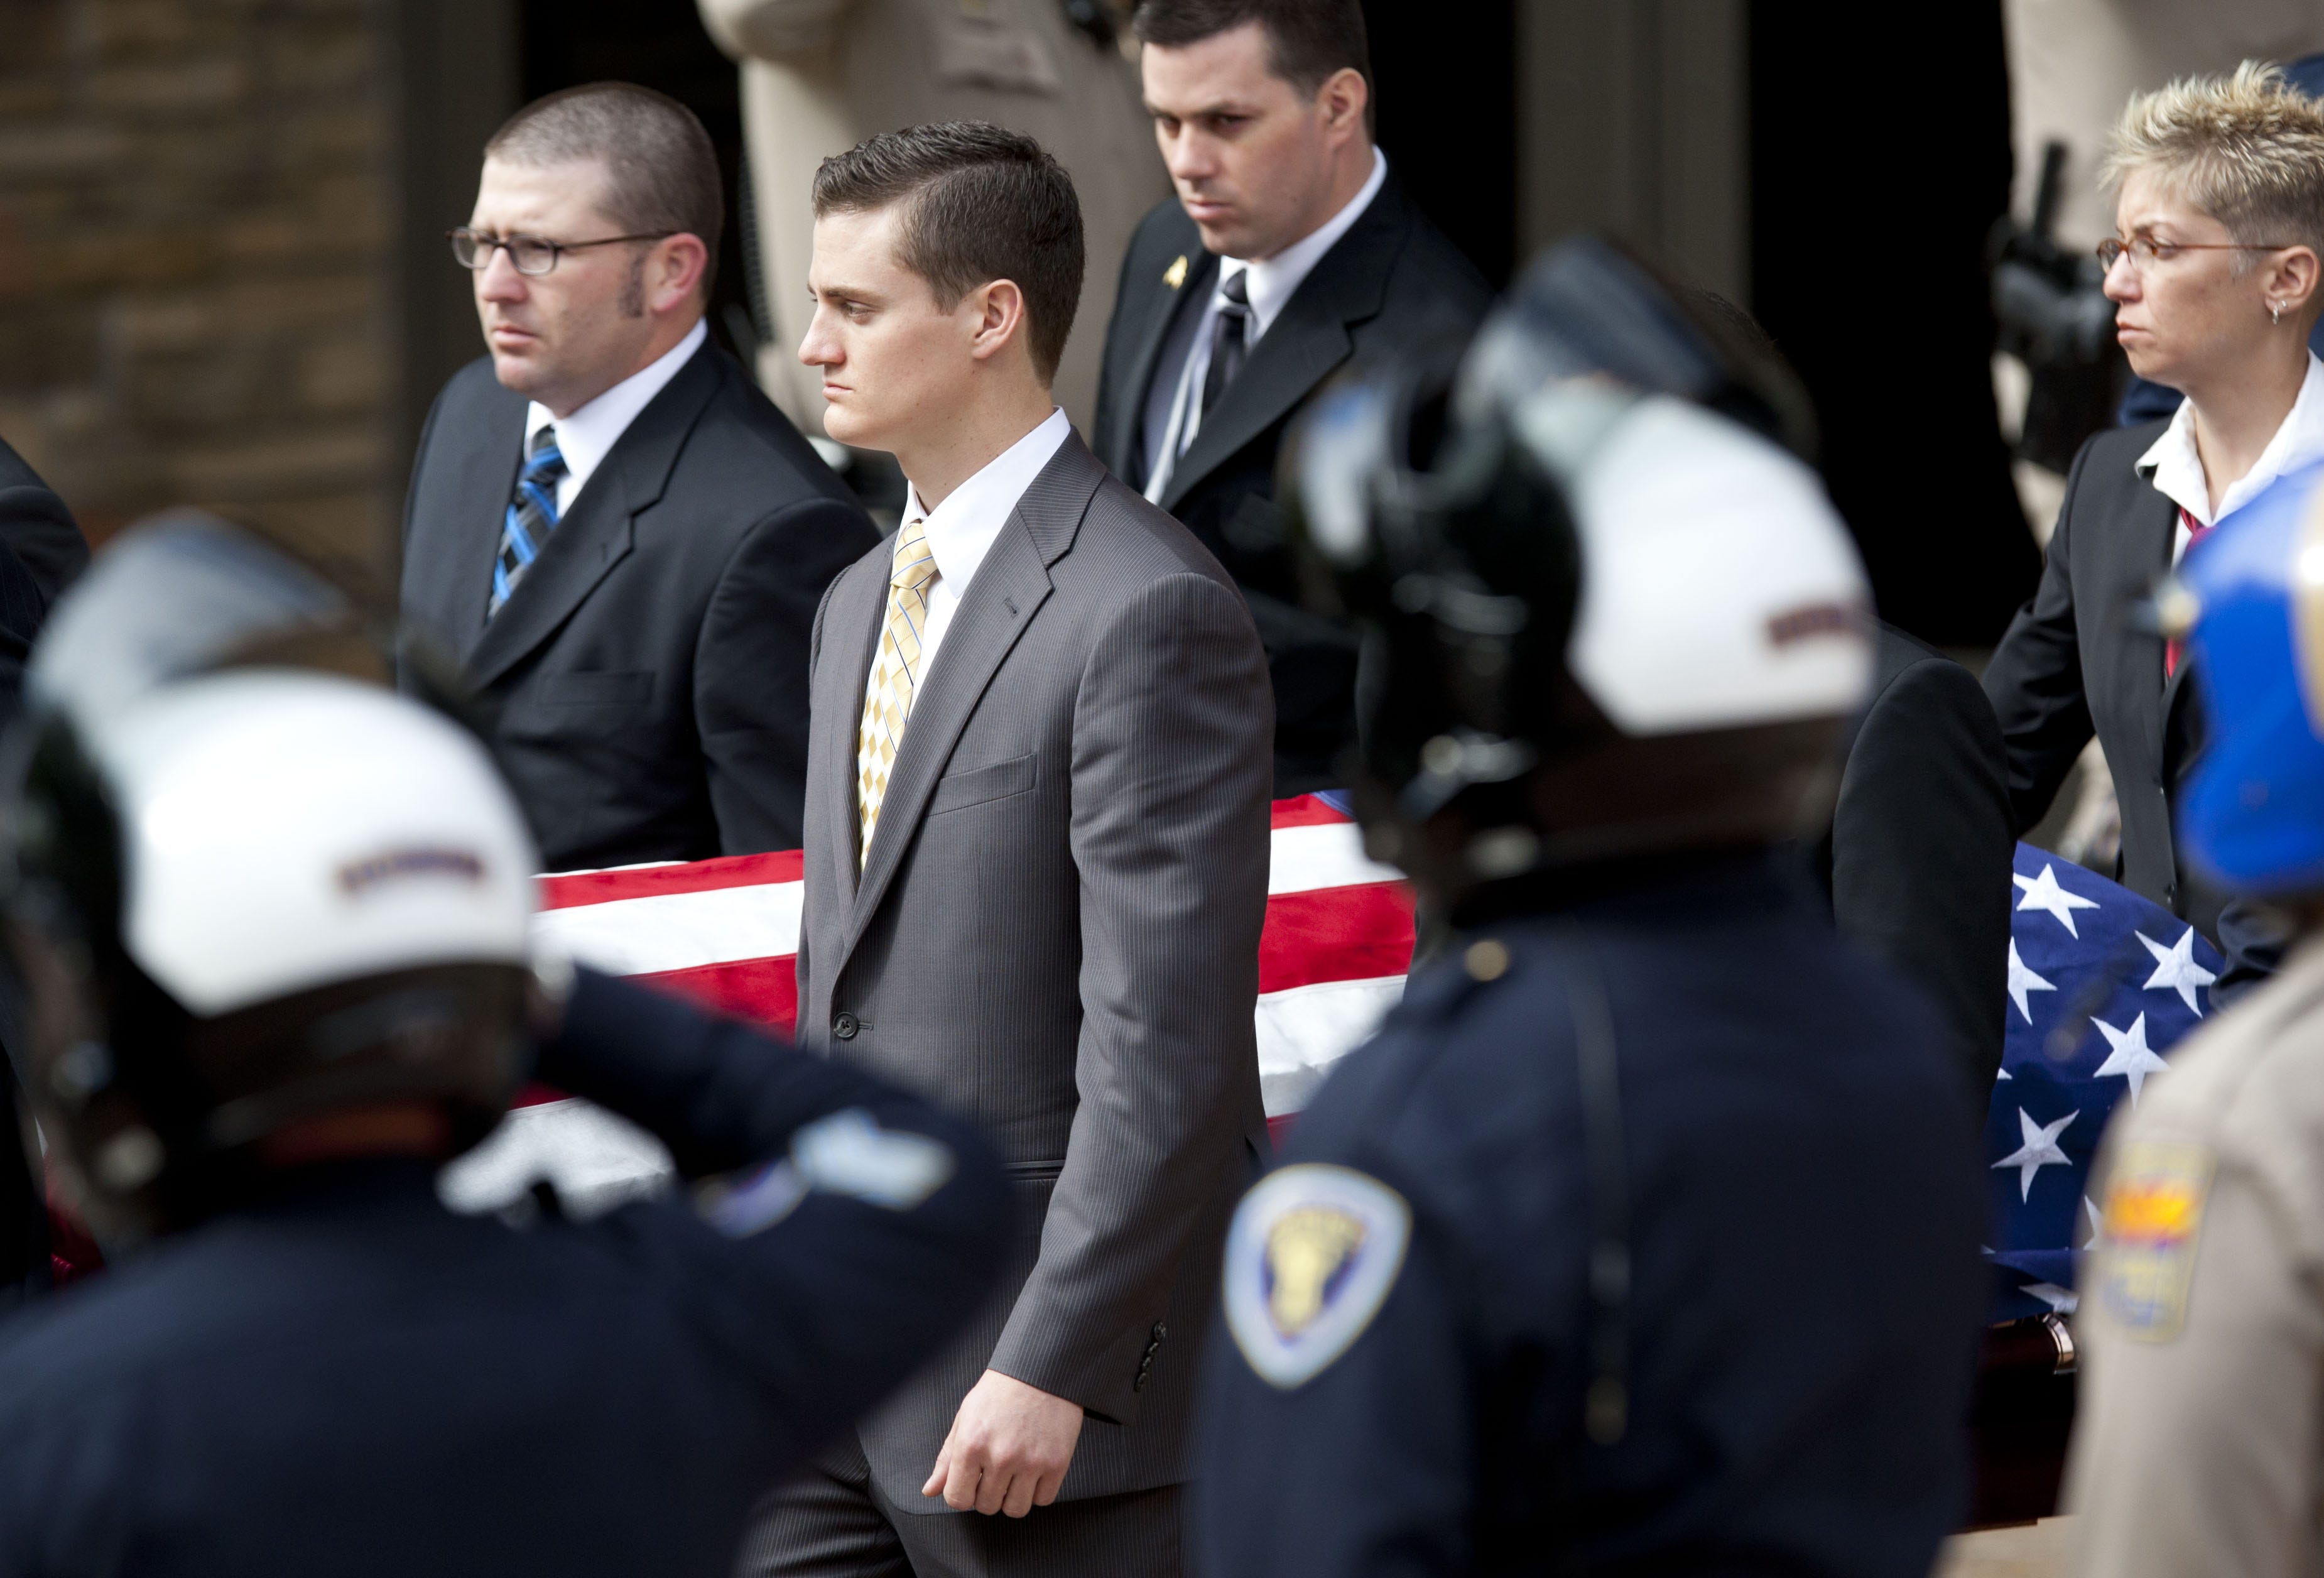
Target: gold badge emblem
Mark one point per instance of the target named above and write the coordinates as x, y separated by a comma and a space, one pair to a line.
1176, 274
1313, 1255
2148, 1236
1307, 1252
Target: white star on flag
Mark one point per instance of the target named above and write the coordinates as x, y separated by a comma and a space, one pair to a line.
2130, 1057
2043, 892
2040, 1150
2175, 968
2091, 1206
2023, 980
2061, 1299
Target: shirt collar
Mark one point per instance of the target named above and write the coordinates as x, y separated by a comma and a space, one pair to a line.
584, 435
962, 530
1274, 279
2176, 470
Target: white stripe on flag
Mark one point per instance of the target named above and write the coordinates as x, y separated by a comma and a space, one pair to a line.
677, 931
1303, 1030
597, 1160
1328, 854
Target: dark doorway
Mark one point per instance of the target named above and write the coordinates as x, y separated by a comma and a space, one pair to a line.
1446, 77
1872, 194
659, 44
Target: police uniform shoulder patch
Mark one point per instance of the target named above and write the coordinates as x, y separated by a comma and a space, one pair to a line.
2148, 1233
1310, 1258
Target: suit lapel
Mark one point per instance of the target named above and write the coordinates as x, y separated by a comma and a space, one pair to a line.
595, 535
1306, 341
2149, 534
1164, 305
1010, 587
860, 604
451, 551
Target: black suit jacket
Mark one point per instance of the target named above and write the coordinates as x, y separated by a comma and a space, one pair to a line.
2083, 656
647, 681
1918, 856
1393, 285
41, 551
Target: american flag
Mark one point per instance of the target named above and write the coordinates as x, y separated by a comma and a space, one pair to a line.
2101, 984
1331, 961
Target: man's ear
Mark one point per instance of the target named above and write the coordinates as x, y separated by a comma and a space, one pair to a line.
1343, 99
1000, 319
674, 272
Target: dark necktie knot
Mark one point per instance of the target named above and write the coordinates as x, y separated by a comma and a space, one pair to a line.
543, 458
1230, 337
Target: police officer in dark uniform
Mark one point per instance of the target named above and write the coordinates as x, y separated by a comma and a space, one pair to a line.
1643, 1236
274, 928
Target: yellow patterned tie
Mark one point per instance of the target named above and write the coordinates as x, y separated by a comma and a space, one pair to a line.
895, 675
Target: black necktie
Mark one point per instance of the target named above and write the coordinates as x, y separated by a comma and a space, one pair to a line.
1229, 339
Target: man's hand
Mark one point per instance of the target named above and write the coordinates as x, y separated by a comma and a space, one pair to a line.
1007, 1450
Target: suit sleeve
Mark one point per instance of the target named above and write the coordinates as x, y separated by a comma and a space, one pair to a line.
1922, 845
1171, 765
2035, 679
854, 1228
39, 530
751, 669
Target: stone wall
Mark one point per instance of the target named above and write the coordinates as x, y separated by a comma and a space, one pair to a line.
197, 199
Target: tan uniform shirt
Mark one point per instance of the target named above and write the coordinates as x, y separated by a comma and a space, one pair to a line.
2200, 1435
820, 76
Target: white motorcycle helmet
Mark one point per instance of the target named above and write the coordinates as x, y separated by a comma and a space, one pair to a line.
244, 896
1609, 613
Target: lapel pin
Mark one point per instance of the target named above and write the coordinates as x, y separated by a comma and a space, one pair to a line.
1176, 274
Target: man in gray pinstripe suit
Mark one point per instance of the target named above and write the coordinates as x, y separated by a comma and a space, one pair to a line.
1036, 869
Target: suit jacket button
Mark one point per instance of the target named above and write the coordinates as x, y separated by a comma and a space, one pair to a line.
844, 1025
1160, 1331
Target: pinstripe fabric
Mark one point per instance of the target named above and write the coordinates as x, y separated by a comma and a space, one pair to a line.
1056, 933
832, 1522
895, 673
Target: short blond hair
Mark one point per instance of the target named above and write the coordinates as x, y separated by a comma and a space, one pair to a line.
2246, 148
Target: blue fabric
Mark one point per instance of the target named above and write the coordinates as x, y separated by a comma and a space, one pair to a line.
347, 1379
2249, 816
2088, 988
1805, 1211
531, 515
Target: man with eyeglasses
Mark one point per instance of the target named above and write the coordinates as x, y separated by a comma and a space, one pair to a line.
619, 538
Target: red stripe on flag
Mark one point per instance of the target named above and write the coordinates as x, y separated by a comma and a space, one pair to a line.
1335, 934
701, 876
763, 991
1305, 811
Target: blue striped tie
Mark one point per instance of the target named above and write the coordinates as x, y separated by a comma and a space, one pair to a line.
532, 516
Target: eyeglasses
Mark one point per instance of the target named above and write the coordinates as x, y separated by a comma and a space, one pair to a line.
2145, 250
532, 254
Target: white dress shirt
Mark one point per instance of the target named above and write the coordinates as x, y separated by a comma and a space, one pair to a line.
1271, 285
585, 436
962, 529
2176, 470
